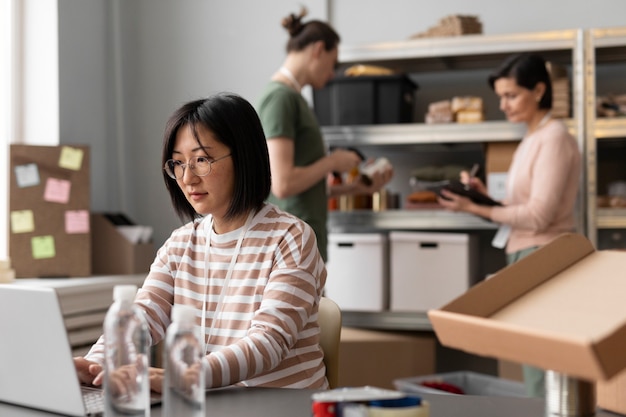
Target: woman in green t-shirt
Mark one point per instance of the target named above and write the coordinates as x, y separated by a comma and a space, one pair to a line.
300, 164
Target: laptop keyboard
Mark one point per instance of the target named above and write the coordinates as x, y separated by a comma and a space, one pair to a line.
94, 400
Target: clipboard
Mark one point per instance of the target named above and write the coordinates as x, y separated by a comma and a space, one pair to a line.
457, 187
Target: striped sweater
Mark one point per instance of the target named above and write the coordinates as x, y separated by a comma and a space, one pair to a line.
266, 333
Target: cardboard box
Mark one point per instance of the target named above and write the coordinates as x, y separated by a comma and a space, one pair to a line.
358, 278
377, 358
510, 370
561, 308
430, 269
113, 253
498, 157
611, 395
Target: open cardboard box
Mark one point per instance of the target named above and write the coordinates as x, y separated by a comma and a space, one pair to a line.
113, 253
561, 308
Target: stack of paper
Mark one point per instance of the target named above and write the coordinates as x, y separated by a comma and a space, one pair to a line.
6, 273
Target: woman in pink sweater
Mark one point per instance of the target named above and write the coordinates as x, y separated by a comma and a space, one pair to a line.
543, 179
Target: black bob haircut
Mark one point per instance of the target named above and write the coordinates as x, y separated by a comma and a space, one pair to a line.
235, 123
528, 70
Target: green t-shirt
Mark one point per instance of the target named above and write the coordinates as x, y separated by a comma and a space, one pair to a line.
285, 113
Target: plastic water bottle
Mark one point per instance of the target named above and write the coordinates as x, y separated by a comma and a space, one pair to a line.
183, 360
127, 356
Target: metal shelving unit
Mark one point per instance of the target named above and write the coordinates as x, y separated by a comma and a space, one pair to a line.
447, 54
601, 46
468, 52
421, 219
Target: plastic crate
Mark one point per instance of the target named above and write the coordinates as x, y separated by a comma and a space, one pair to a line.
364, 100
472, 383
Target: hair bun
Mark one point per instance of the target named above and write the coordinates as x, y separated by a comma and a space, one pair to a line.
293, 23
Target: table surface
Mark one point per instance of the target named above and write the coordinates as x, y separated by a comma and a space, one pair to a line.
276, 402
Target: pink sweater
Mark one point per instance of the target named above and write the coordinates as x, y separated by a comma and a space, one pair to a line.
542, 187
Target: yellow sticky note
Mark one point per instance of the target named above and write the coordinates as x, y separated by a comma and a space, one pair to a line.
71, 158
22, 221
43, 247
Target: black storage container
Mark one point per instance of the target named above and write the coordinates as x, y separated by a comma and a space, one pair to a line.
380, 99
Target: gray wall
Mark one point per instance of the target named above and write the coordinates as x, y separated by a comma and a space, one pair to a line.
126, 65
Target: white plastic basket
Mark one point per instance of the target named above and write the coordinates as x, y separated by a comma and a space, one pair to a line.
472, 383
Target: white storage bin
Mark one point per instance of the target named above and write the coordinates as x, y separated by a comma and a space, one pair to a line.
427, 270
357, 268
470, 383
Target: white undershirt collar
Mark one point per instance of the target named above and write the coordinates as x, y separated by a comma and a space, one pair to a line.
290, 77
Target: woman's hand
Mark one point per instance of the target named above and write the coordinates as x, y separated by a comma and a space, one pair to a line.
344, 160
156, 379
378, 180
188, 379
88, 371
454, 202
473, 182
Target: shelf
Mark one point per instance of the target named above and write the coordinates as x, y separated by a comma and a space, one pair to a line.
609, 218
413, 321
367, 220
461, 52
420, 133
609, 44
602, 46
609, 128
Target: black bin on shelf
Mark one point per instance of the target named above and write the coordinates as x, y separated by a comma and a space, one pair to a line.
380, 99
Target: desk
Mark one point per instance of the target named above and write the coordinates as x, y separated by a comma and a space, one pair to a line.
274, 402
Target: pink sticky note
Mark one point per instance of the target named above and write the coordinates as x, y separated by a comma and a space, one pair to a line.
76, 221
57, 191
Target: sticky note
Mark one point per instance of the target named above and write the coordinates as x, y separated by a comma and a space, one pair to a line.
57, 191
71, 158
22, 221
27, 175
43, 247
76, 221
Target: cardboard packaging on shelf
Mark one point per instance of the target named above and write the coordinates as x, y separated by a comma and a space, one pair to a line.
560, 308
498, 157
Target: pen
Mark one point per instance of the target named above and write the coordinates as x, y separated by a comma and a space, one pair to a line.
471, 175
474, 171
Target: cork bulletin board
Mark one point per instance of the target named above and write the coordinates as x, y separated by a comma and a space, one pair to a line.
49, 202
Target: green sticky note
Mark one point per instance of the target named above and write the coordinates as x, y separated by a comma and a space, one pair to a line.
71, 158
43, 247
22, 221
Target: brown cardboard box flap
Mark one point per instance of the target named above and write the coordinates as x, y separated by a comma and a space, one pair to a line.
561, 308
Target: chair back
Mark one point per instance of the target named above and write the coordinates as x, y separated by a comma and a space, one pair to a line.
329, 319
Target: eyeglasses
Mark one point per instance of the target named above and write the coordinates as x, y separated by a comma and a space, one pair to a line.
199, 165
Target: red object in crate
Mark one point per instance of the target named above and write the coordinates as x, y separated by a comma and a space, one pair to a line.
443, 386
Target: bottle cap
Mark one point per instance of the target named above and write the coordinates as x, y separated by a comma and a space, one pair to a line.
124, 292
182, 313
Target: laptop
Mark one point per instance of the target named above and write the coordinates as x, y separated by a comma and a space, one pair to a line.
36, 357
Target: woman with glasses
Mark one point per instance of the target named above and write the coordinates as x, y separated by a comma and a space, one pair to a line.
251, 271
299, 162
